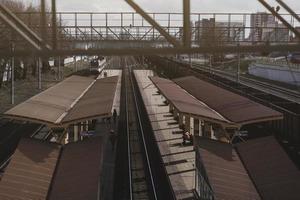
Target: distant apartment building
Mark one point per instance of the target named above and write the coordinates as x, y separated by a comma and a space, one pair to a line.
257, 22
264, 28
208, 30
203, 30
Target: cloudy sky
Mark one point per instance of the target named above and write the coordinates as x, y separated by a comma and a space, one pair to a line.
166, 5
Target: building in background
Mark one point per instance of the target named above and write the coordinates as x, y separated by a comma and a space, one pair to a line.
265, 28
257, 22
210, 31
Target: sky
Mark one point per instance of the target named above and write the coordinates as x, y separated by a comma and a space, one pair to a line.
166, 5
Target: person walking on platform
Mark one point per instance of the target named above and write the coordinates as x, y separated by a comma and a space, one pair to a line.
115, 116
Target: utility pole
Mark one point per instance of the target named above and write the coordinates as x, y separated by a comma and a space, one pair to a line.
238, 68
43, 23
210, 64
59, 69
186, 23
43, 26
54, 25
40, 64
54, 33
13, 77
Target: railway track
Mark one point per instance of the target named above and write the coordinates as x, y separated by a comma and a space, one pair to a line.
139, 172
142, 185
139, 182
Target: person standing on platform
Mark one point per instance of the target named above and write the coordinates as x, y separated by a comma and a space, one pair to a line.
115, 116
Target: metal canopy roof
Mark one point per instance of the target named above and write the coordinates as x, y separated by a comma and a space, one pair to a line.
224, 170
274, 174
42, 170
78, 172
235, 108
29, 173
184, 102
74, 99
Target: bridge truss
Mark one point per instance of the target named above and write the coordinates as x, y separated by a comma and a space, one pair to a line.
140, 33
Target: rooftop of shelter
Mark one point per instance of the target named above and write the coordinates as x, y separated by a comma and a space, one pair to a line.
184, 102
272, 171
233, 107
42, 170
225, 173
69, 101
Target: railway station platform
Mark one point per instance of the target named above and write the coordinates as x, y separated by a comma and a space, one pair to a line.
188, 105
103, 129
79, 174
179, 160
109, 73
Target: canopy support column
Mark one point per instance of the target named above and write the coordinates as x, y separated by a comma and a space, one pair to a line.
171, 108
180, 120
76, 132
196, 127
187, 125
207, 130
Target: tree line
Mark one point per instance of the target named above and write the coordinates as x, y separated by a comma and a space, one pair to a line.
29, 14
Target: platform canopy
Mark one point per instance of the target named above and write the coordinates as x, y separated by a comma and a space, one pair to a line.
71, 101
235, 108
184, 102
29, 173
272, 171
223, 171
43, 170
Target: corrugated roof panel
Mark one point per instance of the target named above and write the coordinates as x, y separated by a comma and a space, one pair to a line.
78, 172
73, 100
232, 106
226, 174
30, 171
274, 174
49, 105
97, 101
183, 101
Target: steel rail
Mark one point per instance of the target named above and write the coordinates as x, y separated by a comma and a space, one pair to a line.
143, 136
128, 139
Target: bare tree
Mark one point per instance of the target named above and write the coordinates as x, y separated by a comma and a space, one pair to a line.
6, 38
30, 15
